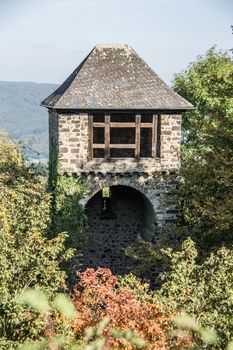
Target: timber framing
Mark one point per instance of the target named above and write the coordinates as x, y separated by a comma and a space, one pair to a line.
137, 125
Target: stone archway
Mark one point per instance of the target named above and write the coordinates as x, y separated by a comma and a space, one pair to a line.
145, 187
130, 215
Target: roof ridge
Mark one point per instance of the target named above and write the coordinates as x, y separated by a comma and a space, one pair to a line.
112, 46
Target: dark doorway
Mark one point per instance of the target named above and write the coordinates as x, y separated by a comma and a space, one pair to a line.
114, 224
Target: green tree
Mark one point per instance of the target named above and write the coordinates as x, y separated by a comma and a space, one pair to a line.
207, 163
27, 257
208, 84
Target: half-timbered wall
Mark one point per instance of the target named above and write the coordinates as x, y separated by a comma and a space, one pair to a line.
155, 143
114, 136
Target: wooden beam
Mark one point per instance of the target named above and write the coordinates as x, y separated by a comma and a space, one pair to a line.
154, 135
107, 136
98, 125
90, 136
114, 145
122, 125
158, 144
146, 125
98, 145
137, 135
122, 145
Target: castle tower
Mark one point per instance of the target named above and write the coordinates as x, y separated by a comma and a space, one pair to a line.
115, 123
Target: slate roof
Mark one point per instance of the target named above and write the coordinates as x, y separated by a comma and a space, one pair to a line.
114, 77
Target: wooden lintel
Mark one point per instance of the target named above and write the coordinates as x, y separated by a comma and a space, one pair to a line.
137, 135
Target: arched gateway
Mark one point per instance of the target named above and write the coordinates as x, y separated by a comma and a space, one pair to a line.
116, 124
114, 223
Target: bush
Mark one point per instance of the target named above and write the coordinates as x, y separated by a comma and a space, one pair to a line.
100, 294
69, 216
58, 316
204, 291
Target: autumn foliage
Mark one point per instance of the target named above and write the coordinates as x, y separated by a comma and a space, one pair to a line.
98, 295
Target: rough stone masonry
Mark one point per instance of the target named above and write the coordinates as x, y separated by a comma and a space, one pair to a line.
115, 123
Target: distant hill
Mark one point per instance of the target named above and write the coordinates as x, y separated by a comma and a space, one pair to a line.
22, 116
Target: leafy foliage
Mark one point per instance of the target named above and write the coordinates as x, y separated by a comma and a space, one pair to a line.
40, 168
27, 257
202, 290
206, 194
68, 215
198, 279
208, 84
100, 294
63, 337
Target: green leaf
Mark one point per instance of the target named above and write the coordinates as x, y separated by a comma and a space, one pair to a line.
34, 298
185, 321
64, 305
208, 335
102, 325
230, 345
33, 346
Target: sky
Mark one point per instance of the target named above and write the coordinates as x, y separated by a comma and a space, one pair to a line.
45, 40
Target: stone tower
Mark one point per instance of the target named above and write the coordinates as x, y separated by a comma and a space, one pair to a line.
115, 123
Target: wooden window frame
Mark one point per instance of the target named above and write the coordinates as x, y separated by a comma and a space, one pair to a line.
138, 125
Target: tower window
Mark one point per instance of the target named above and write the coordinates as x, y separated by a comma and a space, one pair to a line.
124, 136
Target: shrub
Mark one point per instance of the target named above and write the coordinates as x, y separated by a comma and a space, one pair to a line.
69, 216
99, 294
58, 316
204, 291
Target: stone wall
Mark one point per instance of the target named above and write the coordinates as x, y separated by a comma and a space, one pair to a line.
73, 141
143, 201
129, 217
69, 141
73, 147
170, 141
139, 206
157, 188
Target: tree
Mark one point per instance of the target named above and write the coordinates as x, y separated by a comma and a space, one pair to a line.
27, 257
208, 84
207, 164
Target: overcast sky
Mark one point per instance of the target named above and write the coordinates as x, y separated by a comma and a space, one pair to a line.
45, 40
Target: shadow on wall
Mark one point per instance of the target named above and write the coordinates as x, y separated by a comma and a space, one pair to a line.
114, 224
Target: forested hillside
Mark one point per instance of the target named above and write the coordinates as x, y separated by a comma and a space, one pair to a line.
22, 116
